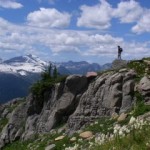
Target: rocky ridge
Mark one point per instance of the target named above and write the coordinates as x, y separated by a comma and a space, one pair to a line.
77, 101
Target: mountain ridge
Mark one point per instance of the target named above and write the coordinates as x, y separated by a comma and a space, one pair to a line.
33, 64
23, 71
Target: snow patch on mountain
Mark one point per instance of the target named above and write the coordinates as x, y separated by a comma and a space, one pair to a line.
23, 64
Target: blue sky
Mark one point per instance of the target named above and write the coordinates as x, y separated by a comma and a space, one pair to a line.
62, 30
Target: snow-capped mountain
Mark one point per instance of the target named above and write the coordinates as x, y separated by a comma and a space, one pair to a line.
19, 73
23, 65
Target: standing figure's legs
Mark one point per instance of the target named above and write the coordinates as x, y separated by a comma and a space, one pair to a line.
119, 56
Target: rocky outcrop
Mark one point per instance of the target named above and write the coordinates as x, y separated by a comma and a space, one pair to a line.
111, 92
144, 88
118, 64
14, 115
57, 106
77, 102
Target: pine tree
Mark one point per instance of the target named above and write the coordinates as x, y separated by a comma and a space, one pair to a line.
50, 70
47, 73
55, 73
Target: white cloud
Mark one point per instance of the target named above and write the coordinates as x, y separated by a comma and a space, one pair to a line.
48, 18
97, 16
100, 15
10, 4
128, 11
143, 25
132, 11
131, 50
26, 39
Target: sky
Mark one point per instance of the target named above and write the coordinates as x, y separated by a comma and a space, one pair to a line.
78, 30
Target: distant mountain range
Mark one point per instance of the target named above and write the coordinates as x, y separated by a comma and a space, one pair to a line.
19, 73
81, 67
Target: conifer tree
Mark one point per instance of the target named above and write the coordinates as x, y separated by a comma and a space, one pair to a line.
47, 73
55, 73
50, 70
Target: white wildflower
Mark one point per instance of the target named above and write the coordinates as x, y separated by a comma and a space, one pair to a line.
96, 122
120, 133
115, 131
132, 120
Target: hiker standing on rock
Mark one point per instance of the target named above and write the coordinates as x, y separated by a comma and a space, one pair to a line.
119, 52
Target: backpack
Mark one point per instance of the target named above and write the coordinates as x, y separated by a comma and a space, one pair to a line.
120, 49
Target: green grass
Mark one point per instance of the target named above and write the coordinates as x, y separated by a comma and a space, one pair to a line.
18, 145
40, 143
136, 140
140, 107
3, 122
102, 125
147, 58
139, 66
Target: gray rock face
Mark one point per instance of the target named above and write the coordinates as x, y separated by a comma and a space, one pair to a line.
76, 83
144, 88
112, 92
118, 64
77, 101
58, 105
15, 127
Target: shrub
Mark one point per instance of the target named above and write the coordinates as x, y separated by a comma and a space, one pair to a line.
3, 122
47, 82
139, 66
140, 107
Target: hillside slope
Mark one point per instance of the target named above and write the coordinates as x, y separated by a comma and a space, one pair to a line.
78, 101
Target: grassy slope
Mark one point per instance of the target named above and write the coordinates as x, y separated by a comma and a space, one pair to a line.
137, 139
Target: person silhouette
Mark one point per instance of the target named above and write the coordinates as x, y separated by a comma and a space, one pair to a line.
119, 52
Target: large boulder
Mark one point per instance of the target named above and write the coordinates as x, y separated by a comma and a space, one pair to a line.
118, 64
76, 83
144, 88
86, 134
